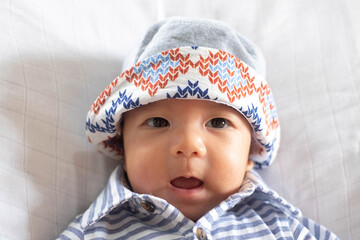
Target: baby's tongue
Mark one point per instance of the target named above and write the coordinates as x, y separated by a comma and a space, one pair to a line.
186, 183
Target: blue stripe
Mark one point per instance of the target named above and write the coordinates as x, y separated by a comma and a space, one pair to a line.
103, 228
124, 217
261, 233
63, 237
235, 217
280, 230
274, 220
119, 187
105, 199
308, 236
139, 230
114, 219
181, 224
238, 226
209, 218
305, 222
142, 228
169, 219
76, 231
168, 232
108, 195
231, 220
271, 212
327, 234
317, 231
92, 211
297, 231
187, 232
175, 229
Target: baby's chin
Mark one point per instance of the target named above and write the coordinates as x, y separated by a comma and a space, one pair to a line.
195, 211
195, 207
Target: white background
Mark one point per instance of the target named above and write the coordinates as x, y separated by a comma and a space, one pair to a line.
57, 56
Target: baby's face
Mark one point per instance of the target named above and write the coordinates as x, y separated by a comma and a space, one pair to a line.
192, 153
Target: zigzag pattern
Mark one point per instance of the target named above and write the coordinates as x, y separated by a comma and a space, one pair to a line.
252, 114
193, 90
124, 100
95, 107
271, 121
96, 128
230, 75
156, 71
270, 149
221, 70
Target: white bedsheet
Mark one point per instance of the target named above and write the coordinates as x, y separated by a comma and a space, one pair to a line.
57, 56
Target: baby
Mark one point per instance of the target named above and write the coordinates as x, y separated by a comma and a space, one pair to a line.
189, 117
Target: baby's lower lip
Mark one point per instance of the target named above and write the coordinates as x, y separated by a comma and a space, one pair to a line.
186, 183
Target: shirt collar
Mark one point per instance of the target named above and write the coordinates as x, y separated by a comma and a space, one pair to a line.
253, 185
116, 193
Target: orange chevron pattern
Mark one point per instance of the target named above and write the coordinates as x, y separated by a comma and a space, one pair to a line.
101, 100
241, 90
164, 75
95, 107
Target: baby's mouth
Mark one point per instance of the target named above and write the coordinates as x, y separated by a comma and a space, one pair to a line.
186, 183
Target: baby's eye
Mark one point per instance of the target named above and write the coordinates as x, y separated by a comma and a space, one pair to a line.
157, 122
217, 123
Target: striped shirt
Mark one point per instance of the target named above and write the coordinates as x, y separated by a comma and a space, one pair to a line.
255, 212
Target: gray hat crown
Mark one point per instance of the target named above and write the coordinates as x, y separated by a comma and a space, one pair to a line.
177, 32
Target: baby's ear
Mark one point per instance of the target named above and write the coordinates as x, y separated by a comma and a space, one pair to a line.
250, 165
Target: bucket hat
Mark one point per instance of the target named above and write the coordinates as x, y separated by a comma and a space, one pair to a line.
190, 59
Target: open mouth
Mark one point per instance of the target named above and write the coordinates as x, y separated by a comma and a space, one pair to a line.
186, 183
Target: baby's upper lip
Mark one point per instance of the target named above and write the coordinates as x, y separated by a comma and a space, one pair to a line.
186, 182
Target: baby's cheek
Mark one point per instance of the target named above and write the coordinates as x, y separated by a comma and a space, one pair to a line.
230, 170
142, 179
138, 182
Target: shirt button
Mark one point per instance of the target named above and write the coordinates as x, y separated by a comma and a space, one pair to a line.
148, 206
200, 233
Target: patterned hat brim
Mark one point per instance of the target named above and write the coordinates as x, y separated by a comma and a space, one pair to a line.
188, 73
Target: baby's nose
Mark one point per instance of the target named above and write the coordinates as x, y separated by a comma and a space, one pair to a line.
188, 141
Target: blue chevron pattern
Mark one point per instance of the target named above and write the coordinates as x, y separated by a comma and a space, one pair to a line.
252, 114
147, 71
125, 101
226, 67
269, 147
192, 89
